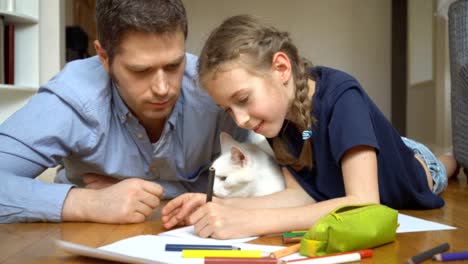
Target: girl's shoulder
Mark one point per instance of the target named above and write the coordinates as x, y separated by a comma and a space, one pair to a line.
332, 77
331, 83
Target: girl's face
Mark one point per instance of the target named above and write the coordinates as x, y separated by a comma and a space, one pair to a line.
258, 103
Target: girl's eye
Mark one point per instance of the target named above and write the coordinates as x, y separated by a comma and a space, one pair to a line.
243, 100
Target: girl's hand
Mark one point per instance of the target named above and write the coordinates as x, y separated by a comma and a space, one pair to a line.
179, 209
221, 222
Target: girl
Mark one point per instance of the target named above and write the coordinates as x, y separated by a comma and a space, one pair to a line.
336, 147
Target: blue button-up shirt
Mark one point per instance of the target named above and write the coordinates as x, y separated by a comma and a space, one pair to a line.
79, 120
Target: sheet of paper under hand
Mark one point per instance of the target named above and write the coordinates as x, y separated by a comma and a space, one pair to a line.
189, 233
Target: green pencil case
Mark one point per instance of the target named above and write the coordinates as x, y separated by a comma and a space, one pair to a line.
351, 227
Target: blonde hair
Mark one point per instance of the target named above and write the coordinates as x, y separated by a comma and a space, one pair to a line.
247, 39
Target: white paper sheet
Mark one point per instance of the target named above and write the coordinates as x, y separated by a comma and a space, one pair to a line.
153, 248
414, 224
188, 232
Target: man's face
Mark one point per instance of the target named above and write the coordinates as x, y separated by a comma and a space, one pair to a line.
148, 69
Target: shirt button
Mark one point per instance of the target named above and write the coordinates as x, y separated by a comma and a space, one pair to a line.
139, 135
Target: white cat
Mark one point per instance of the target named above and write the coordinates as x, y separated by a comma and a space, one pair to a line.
244, 169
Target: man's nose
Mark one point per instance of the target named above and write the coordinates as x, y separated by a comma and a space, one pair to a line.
160, 83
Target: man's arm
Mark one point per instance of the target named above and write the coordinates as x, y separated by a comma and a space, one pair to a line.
35, 138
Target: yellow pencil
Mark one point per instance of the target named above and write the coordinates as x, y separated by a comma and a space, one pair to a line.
194, 253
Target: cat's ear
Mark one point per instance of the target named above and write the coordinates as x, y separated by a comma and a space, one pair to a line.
227, 142
239, 157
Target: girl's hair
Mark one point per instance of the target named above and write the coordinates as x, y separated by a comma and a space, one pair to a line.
245, 39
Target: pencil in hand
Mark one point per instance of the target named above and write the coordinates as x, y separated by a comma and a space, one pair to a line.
209, 189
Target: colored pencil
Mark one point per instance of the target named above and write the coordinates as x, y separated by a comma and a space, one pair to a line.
293, 236
293, 239
451, 256
294, 233
194, 253
364, 253
335, 259
428, 254
180, 247
286, 251
210, 260
209, 189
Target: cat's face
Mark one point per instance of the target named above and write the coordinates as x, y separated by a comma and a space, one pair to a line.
245, 169
234, 171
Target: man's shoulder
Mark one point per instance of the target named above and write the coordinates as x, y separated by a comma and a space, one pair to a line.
81, 82
193, 95
83, 85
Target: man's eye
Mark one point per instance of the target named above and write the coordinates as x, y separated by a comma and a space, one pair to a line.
140, 71
172, 67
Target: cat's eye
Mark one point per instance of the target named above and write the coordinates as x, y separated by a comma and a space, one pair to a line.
221, 178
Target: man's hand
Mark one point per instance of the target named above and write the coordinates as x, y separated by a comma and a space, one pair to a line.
128, 201
96, 181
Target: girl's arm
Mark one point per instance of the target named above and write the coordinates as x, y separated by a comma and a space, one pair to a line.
360, 174
359, 168
216, 220
293, 195
179, 209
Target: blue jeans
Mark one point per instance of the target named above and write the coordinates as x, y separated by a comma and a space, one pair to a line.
435, 166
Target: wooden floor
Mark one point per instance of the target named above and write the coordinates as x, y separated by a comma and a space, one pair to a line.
34, 242
454, 213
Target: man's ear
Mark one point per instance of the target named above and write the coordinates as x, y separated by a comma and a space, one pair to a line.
282, 66
102, 54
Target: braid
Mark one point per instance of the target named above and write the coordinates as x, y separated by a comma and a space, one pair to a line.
301, 107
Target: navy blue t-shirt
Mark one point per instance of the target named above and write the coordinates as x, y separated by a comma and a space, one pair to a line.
346, 118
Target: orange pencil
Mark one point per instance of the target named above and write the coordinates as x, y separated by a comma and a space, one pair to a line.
286, 251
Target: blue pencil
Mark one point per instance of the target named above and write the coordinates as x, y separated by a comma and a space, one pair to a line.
451, 256
180, 247
428, 254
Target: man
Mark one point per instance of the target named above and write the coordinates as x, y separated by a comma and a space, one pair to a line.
130, 126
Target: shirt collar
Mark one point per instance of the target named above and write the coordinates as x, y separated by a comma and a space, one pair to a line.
119, 106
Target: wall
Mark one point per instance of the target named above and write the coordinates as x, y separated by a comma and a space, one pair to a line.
421, 110
420, 27
352, 35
